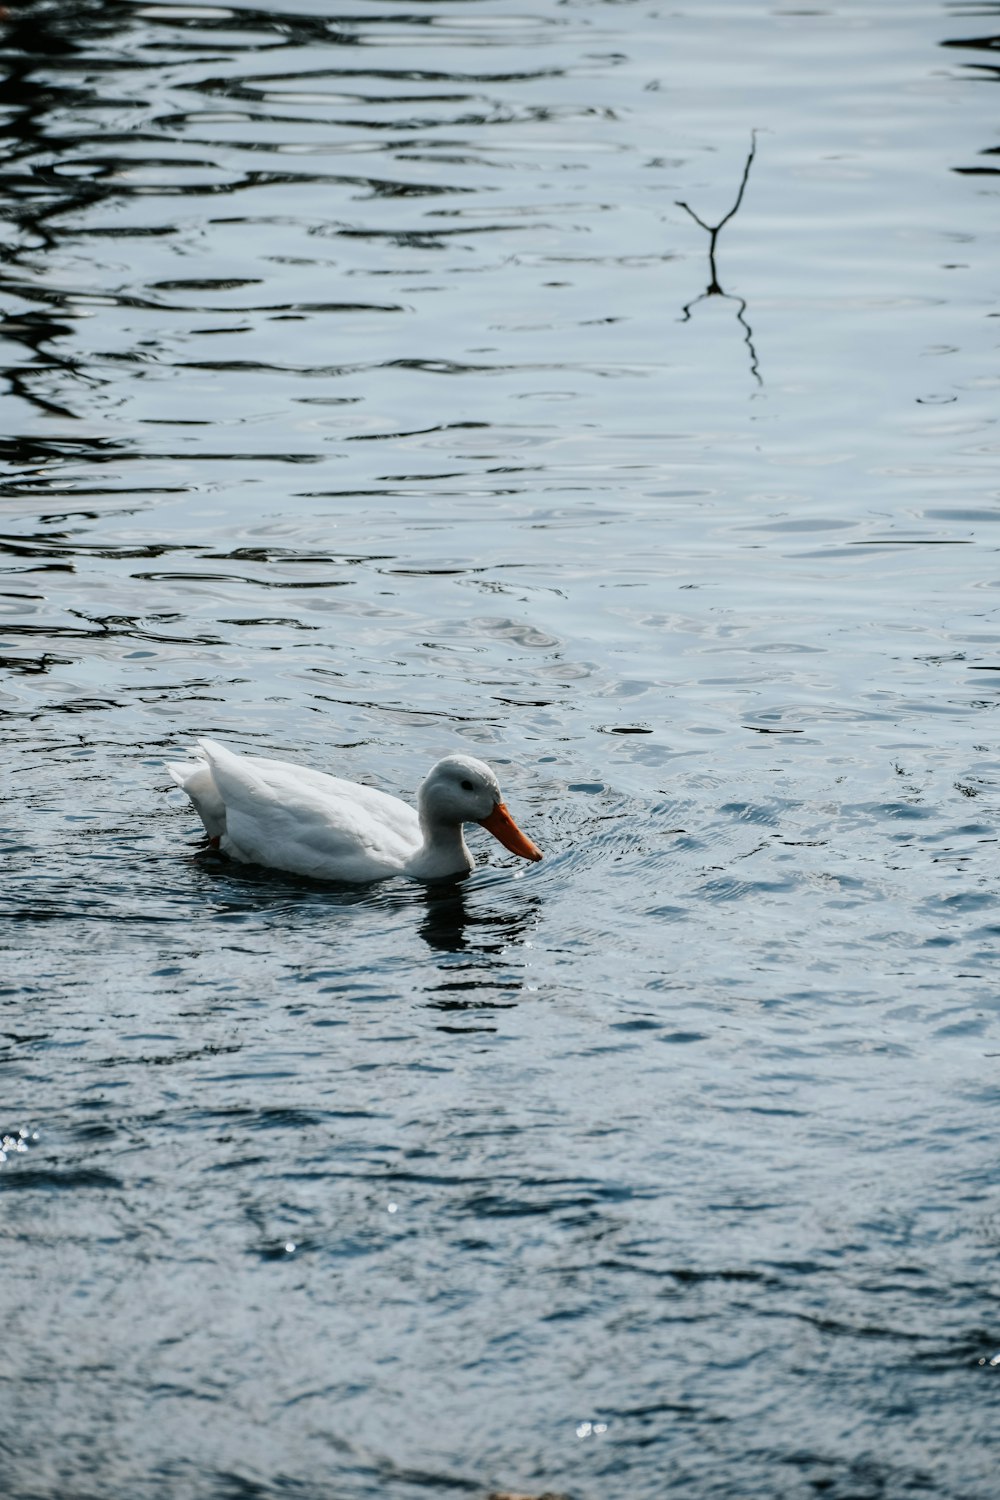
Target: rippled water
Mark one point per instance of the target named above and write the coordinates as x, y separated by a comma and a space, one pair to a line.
365, 400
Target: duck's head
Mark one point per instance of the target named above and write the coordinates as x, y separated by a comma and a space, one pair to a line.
461, 789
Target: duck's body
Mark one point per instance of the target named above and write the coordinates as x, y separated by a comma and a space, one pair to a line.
270, 812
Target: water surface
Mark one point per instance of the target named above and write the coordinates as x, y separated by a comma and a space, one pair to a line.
364, 401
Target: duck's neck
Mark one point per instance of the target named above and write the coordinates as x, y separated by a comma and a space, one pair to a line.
444, 850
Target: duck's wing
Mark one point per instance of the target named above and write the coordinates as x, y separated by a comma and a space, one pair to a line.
381, 805
291, 818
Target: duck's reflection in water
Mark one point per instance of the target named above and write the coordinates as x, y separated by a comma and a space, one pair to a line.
479, 930
455, 923
491, 970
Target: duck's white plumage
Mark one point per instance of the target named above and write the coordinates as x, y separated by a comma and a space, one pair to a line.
270, 812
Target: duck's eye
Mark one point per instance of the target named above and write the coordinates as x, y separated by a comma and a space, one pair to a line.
468, 786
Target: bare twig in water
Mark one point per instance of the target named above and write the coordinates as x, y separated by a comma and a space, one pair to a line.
714, 289
713, 229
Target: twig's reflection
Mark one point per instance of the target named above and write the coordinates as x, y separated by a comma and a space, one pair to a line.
714, 288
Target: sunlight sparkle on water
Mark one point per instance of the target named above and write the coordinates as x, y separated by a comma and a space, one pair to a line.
12, 1145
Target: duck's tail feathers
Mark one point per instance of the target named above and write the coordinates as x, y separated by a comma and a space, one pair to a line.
195, 778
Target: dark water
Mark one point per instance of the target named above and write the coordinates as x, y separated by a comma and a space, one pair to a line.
362, 403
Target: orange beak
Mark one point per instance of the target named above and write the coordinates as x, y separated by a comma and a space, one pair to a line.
502, 826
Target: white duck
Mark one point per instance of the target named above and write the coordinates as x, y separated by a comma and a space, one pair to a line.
270, 812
